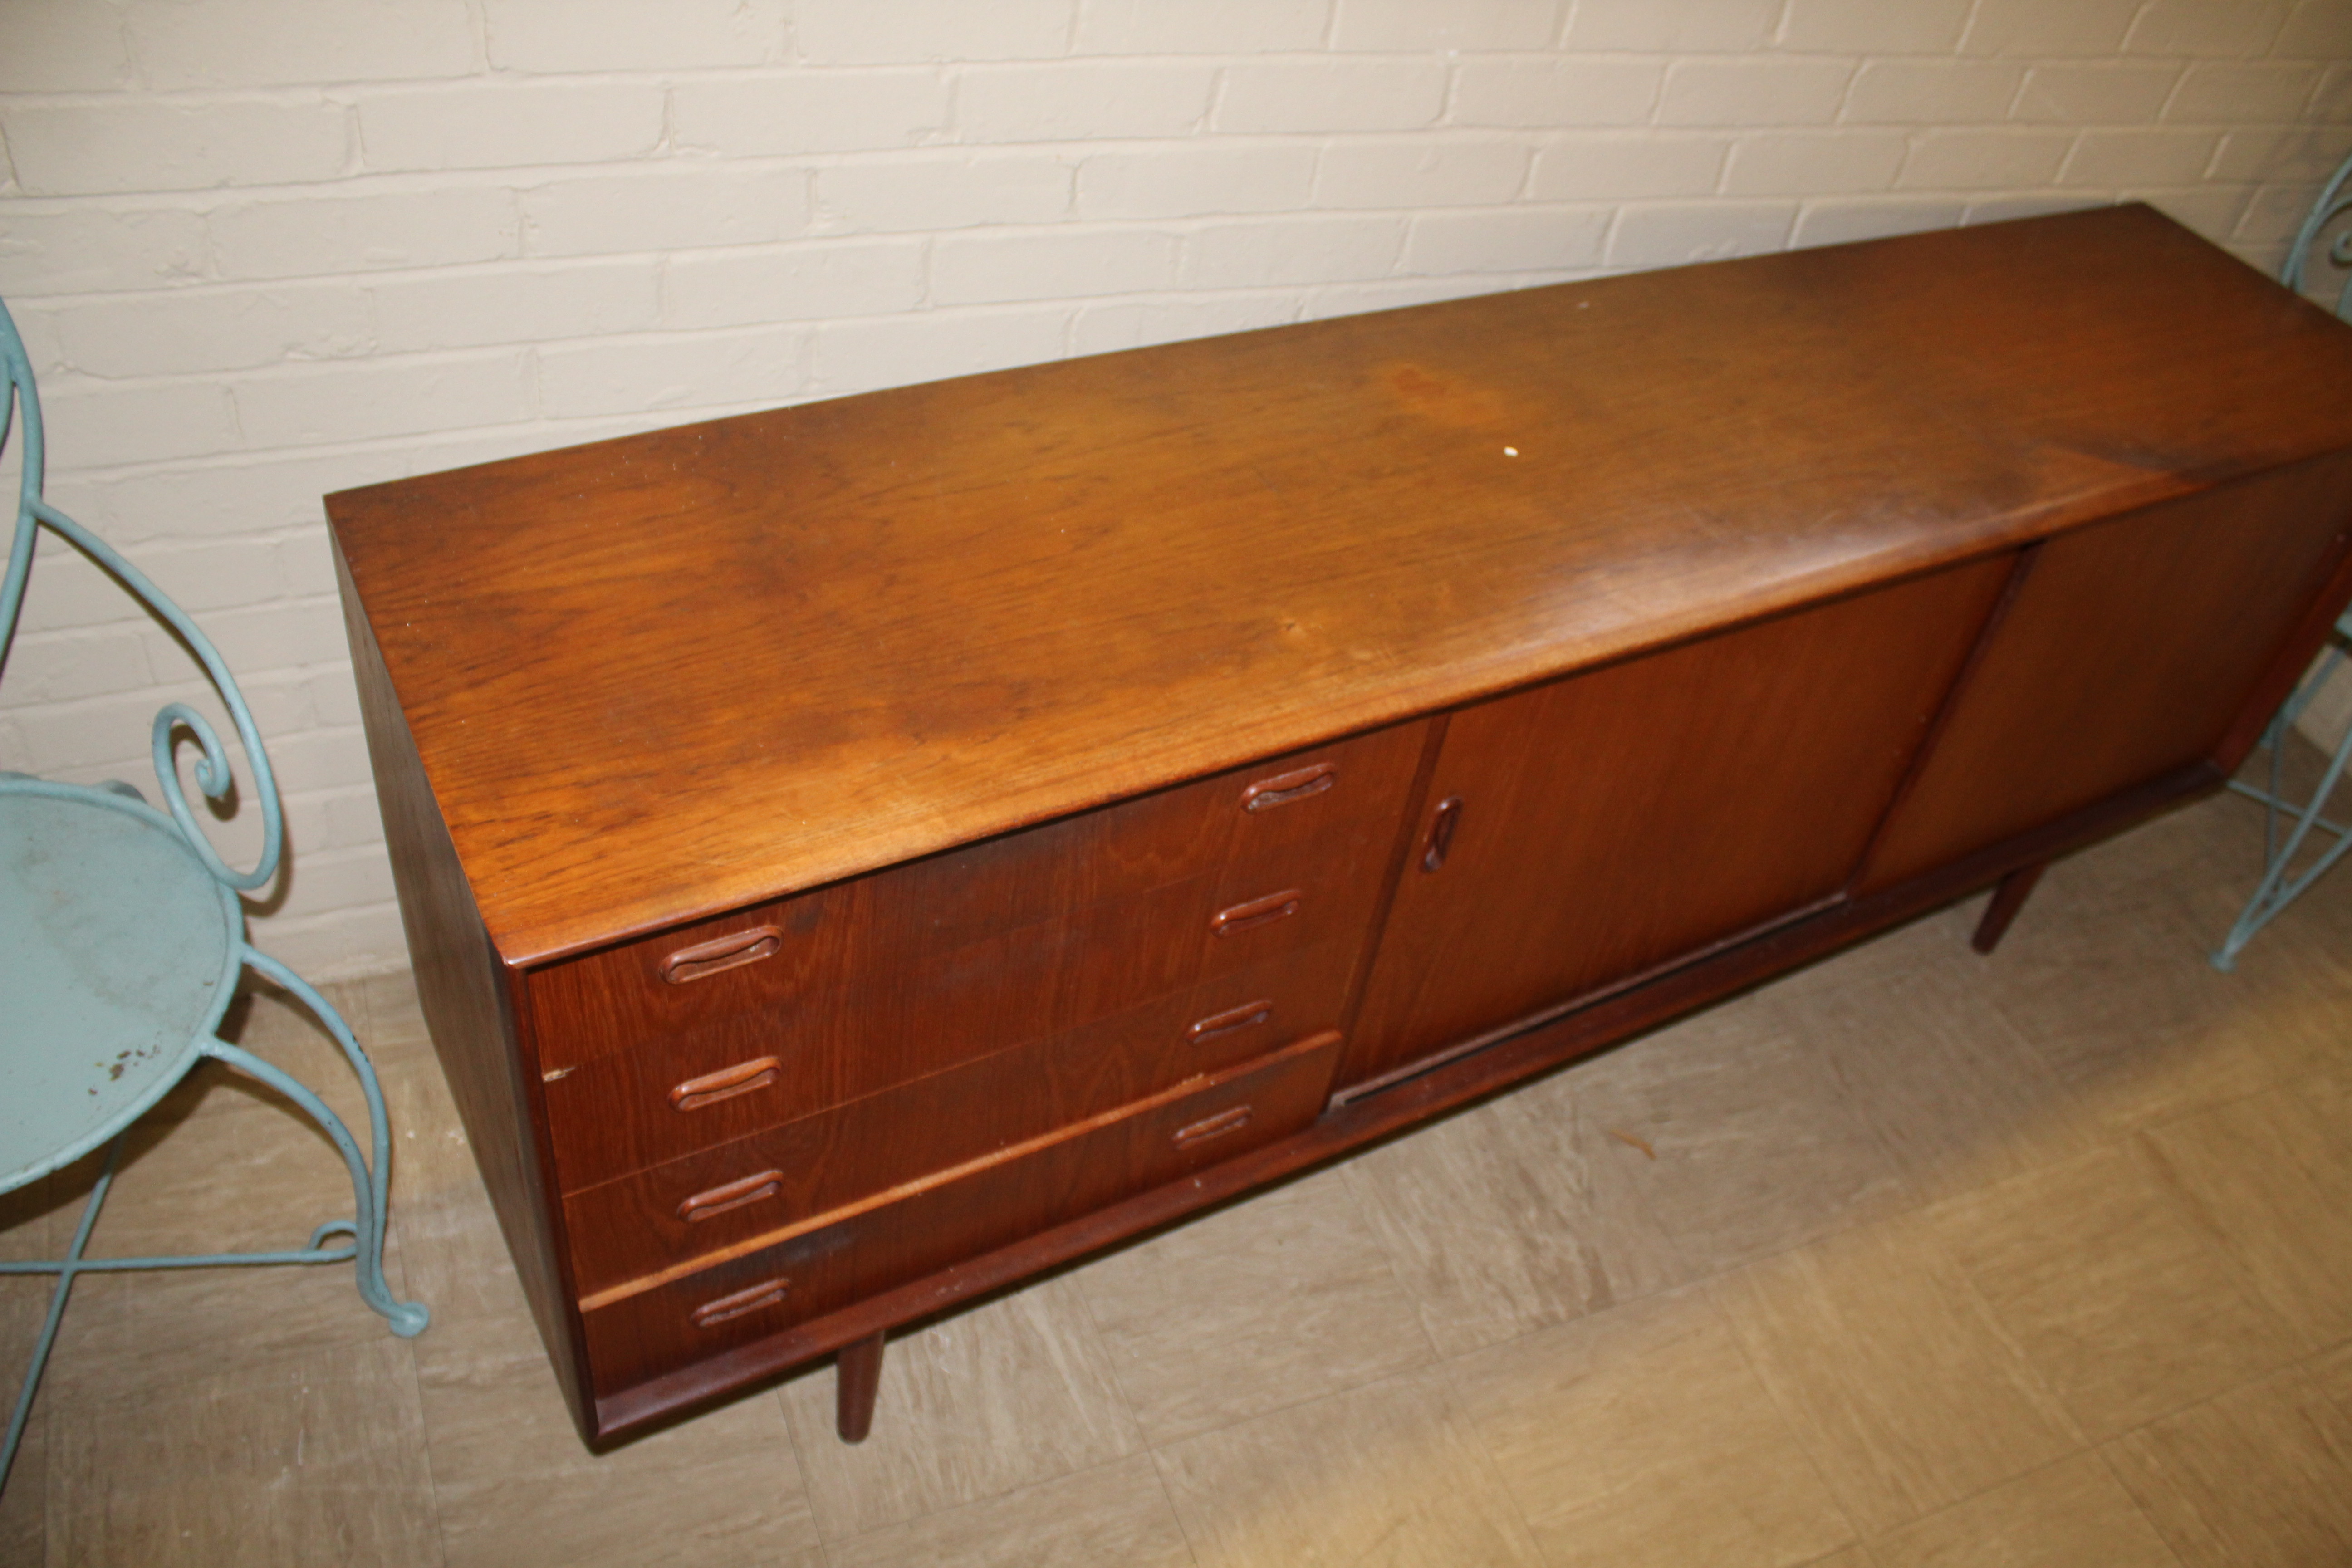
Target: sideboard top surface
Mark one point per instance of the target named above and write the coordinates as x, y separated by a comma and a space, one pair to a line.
668, 674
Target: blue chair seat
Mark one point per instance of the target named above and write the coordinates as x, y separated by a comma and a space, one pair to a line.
117, 932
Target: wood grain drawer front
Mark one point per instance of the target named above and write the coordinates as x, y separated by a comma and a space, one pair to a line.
639, 1333
652, 1220
618, 1115
1320, 821
928, 1016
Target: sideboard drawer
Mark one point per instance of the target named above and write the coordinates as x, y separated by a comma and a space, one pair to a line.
1051, 925
636, 1334
713, 1200
700, 1096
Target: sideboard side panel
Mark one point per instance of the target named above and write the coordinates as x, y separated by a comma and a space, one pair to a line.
468, 1005
2126, 654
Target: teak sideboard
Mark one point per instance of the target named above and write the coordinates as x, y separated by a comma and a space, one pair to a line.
858, 856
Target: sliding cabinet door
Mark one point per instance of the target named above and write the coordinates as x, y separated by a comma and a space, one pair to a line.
2131, 649
1590, 829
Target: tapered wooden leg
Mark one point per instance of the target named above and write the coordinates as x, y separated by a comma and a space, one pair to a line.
857, 1374
2007, 900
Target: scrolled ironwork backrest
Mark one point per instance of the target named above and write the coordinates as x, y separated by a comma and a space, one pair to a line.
2334, 202
213, 773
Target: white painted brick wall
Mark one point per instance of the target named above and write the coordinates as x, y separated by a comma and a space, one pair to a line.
862, 32
302, 404
1545, 93
934, 191
1412, 27
622, 375
1875, 26
996, 269
846, 277
262, 249
1700, 26
1325, 96
1622, 165
143, 143
1815, 163
795, 114
1196, 181
1108, 99
2121, 93
459, 308
1767, 89
504, 124
1294, 251
1506, 239
1418, 171
388, 228
567, 36
263, 43
62, 48
664, 210
2049, 27
1198, 26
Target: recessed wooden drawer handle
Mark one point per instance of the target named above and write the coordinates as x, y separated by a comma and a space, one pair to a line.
733, 1196
1217, 1126
1232, 1018
1441, 832
1256, 912
708, 958
1284, 788
725, 1083
711, 1313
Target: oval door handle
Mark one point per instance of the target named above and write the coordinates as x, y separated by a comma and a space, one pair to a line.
711, 1313
729, 952
1284, 788
1256, 912
733, 1196
725, 1083
1232, 1018
1441, 832
1217, 1126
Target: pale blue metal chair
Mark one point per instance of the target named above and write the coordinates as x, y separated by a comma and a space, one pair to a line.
122, 942
2282, 882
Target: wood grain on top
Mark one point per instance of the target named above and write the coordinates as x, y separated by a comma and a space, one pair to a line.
661, 677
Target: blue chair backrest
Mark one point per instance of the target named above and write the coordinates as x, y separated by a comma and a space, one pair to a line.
20, 408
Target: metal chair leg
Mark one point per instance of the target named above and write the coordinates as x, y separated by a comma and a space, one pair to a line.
65, 1271
371, 1180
